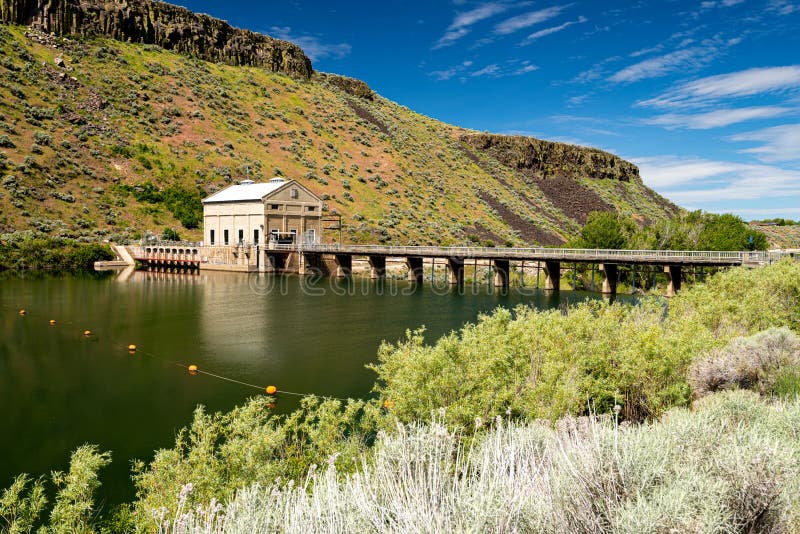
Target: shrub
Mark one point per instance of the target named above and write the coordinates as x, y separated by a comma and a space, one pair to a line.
6, 142
730, 466
755, 362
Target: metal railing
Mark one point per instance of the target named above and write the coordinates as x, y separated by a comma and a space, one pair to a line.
728, 257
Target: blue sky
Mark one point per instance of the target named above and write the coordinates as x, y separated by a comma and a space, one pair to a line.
703, 95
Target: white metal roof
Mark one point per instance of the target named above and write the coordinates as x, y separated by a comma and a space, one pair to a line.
246, 191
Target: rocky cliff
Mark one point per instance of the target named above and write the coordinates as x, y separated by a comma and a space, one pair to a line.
548, 159
165, 25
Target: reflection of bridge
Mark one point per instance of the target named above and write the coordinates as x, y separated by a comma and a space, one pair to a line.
337, 260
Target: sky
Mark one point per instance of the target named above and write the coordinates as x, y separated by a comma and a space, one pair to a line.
703, 95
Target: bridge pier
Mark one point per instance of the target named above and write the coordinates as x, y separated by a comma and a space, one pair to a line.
552, 273
610, 280
377, 267
673, 279
344, 265
415, 271
456, 269
501, 269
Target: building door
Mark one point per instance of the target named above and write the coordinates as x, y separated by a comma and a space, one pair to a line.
211, 237
311, 236
241, 237
294, 235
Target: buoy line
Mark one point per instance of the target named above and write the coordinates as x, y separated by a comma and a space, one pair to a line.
193, 369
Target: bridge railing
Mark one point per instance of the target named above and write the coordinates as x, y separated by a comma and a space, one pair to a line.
555, 253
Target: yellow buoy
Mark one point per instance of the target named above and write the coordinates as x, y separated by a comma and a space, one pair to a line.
192, 368
22, 312
271, 390
131, 348
52, 321
388, 404
87, 333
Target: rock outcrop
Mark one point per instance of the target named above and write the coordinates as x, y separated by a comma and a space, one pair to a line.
351, 86
165, 25
545, 159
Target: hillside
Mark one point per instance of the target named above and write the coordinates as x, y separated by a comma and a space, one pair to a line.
101, 138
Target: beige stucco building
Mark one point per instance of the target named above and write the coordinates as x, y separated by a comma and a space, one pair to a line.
248, 214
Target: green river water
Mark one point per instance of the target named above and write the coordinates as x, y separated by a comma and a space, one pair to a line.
59, 389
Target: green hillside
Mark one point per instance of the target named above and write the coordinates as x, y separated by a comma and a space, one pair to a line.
101, 139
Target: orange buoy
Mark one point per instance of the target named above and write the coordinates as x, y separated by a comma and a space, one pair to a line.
52, 321
22, 312
131, 348
87, 333
193, 369
388, 404
271, 390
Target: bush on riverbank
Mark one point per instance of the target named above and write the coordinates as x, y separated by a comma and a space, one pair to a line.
588, 357
731, 465
23, 252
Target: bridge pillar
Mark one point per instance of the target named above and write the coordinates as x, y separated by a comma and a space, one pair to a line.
414, 269
456, 268
610, 280
344, 265
673, 279
552, 273
270, 262
501, 268
377, 267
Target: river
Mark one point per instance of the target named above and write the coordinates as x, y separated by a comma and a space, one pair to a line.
60, 389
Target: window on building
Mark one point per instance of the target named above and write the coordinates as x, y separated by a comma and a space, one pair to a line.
241, 236
294, 235
211, 237
225, 237
312, 208
294, 193
255, 236
274, 206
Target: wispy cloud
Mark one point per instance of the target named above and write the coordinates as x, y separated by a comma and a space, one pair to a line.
314, 48
461, 25
783, 7
701, 180
554, 29
719, 3
665, 64
718, 118
780, 143
526, 20
450, 72
464, 71
737, 84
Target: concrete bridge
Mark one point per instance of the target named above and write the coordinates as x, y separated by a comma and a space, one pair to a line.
337, 260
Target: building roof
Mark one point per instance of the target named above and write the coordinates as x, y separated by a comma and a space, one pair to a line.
247, 191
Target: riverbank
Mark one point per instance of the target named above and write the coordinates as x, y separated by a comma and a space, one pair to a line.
23, 252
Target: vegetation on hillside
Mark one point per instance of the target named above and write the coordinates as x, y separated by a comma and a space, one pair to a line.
631, 362
31, 252
81, 139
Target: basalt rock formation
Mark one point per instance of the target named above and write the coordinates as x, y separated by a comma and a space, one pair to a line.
545, 159
170, 27
351, 86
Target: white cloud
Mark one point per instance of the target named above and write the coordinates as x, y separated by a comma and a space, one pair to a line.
488, 70
646, 51
781, 143
525, 69
665, 64
548, 31
702, 180
736, 84
721, 3
526, 20
311, 45
783, 7
446, 74
463, 21
717, 118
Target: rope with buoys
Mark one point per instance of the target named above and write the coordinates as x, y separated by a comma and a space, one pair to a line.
192, 368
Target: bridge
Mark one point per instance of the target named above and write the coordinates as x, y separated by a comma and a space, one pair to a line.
337, 260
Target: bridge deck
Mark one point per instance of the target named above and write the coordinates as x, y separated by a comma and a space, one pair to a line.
649, 257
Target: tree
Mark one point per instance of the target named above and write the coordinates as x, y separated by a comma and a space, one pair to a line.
605, 230
170, 234
729, 232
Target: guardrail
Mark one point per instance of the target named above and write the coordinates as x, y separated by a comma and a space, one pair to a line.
726, 257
